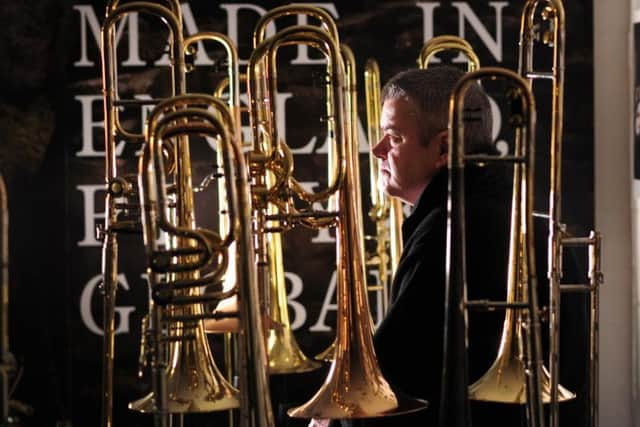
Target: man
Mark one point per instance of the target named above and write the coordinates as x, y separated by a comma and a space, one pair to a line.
413, 156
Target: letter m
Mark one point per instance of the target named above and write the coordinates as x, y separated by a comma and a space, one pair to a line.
90, 28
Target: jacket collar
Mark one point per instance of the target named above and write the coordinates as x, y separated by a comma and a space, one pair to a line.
434, 195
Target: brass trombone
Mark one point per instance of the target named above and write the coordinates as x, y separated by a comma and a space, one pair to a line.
123, 216
228, 87
448, 43
355, 387
553, 36
193, 257
284, 354
385, 212
516, 375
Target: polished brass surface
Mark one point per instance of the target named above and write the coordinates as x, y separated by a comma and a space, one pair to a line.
190, 381
448, 43
529, 31
285, 355
542, 24
517, 374
194, 257
316, 13
385, 212
355, 387
122, 217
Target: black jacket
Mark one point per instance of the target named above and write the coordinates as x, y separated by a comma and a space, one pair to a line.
416, 311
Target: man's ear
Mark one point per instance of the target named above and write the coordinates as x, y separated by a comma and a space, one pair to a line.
443, 143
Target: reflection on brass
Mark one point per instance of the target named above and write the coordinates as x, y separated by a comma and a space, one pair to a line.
448, 43
542, 24
517, 374
184, 374
121, 205
355, 386
386, 211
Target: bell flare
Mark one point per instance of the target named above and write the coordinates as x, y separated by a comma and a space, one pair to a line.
191, 401
361, 397
284, 354
193, 383
328, 354
505, 382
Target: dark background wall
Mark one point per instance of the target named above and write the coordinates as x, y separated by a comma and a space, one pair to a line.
50, 153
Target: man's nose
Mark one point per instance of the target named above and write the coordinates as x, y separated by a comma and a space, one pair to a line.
380, 149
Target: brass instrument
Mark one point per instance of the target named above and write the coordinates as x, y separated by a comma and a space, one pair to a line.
351, 135
285, 355
228, 87
121, 205
553, 36
327, 24
355, 387
516, 376
448, 43
192, 257
386, 212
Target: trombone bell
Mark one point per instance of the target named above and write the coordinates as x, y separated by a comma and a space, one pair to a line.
505, 382
194, 384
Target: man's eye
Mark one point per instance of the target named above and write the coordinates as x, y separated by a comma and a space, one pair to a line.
395, 139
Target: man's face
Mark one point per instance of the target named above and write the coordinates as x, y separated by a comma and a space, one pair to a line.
406, 163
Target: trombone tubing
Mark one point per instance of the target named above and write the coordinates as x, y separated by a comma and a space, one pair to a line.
556, 233
448, 42
326, 21
267, 51
112, 128
255, 409
454, 402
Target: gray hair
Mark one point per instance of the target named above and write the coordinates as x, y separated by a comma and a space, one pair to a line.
429, 90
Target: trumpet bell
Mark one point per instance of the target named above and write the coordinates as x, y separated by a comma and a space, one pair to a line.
505, 382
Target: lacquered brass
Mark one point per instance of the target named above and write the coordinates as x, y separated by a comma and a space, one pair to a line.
355, 386
448, 43
285, 356
542, 24
386, 212
193, 257
517, 374
121, 205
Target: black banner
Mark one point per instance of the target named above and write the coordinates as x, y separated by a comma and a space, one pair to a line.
52, 153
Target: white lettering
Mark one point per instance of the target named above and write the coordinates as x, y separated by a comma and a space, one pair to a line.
299, 311
466, 14
232, 21
88, 19
303, 51
327, 304
190, 28
123, 313
90, 214
89, 125
427, 19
